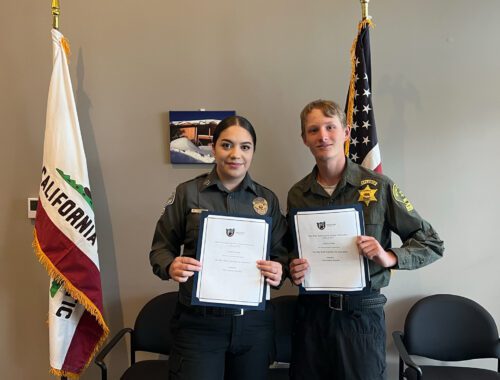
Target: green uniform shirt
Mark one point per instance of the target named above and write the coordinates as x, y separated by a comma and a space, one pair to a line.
179, 224
385, 209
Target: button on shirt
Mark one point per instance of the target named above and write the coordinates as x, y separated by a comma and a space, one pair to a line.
385, 209
179, 224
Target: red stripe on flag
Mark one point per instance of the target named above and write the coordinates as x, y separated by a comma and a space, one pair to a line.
84, 342
69, 260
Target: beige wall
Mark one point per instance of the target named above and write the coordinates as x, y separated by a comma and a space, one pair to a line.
436, 94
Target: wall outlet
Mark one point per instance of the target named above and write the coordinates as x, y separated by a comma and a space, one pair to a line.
32, 205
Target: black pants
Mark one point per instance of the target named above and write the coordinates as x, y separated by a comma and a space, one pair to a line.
337, 345
208, 347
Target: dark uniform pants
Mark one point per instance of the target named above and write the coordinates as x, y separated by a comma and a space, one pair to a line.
331, 344
214, 347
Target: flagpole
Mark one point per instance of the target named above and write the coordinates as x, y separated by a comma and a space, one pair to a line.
56, 10
55, 14
364, 9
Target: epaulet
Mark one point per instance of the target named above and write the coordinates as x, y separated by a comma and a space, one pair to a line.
202, 175
256, 185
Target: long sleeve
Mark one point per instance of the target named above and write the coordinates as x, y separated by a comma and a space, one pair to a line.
279, 251
168, 235
421, 243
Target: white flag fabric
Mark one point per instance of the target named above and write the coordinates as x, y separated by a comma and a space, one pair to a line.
65, 239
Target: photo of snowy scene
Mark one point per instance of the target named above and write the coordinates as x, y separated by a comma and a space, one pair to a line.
191, 135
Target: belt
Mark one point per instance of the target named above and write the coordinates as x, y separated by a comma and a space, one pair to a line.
346, 302
211, 311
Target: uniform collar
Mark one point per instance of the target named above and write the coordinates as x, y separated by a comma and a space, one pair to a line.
212, 179
351, 175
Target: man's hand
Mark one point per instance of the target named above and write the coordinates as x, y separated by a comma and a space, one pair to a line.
272, 270
183, 267
298, 269
371, 248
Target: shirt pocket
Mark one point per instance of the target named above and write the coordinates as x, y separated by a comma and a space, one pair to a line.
374, 220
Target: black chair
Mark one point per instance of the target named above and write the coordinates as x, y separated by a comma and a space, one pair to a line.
151, 333
284, 315
447, 328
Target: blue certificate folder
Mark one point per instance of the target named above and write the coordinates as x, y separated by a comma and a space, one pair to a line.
359, 209
234, 302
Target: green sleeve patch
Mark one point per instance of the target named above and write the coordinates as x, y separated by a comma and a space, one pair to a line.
398, 196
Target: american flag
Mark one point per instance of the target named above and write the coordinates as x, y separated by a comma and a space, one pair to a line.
363, 146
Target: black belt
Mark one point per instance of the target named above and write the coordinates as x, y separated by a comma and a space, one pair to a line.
210, 311
346, 302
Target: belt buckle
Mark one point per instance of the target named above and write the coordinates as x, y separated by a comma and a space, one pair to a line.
338, 303
239, 313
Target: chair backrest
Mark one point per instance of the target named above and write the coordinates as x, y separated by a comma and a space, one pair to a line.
284, 315
152, 325
450, 328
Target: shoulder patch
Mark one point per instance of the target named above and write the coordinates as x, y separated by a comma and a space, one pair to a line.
171, 199
398, 196
169, 202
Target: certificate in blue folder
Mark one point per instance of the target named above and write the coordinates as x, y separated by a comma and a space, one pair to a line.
228, 248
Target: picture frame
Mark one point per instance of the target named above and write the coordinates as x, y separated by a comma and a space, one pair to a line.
191, 134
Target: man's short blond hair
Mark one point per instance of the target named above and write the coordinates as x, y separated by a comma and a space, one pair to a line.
329, 109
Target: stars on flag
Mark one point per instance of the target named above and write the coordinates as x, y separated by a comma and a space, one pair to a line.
363, 145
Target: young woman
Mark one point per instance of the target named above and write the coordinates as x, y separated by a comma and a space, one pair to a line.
213, 342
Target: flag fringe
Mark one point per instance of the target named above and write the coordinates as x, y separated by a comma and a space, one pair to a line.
350, 102
60, 373
76, 294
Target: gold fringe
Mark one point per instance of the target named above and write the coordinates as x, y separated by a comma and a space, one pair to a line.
66, 47
350, 102
76, 294
59, 373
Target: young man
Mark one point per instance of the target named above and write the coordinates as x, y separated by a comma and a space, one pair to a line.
342, 336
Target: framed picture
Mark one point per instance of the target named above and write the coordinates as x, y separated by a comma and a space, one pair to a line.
191, 135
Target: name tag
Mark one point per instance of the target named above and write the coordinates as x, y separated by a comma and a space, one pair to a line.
197, 210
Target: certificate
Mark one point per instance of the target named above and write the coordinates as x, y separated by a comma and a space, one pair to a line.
228, 248
327, 239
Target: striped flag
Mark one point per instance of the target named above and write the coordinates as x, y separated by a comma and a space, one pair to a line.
363, 146
65, 239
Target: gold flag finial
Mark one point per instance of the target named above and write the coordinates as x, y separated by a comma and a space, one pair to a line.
364, 9
55, 14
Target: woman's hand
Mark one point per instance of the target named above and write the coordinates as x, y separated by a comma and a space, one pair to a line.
272, 270
183, 267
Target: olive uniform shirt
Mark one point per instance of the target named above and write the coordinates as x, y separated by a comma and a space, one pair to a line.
385, 209
178, 226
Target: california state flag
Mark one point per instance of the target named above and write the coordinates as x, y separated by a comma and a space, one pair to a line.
65, 237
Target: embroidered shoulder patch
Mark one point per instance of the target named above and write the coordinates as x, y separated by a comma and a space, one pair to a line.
169, 202
401, 198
